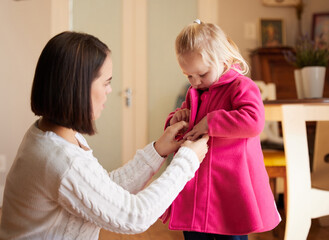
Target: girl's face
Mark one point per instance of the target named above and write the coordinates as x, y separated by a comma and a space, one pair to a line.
200, 75
100, 87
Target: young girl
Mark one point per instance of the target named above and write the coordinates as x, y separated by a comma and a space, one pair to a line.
230, 196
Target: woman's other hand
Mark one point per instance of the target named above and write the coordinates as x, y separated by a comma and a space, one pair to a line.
167, 143
199, 146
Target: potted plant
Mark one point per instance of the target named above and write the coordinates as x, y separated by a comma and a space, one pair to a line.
311, 62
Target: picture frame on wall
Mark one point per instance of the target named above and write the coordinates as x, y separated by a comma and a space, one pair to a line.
272, 32
320, 30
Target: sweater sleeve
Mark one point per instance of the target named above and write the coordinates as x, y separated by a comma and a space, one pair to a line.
134, 175
245, 118
87, 191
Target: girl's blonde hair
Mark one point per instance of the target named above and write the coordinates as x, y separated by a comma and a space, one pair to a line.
212, 43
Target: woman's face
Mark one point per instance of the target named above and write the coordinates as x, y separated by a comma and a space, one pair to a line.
100, 87
200, 75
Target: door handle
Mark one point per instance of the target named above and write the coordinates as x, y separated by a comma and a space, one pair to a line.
128, 96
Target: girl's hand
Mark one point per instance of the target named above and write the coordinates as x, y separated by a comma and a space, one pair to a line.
180, 115
198, 130
167, 143
200, 146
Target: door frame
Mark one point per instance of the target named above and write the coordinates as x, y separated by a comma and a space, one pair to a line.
134, 77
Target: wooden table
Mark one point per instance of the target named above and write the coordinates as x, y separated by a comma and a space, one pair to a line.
303, 201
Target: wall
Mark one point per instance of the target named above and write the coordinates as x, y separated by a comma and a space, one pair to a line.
233, 21
311, 7
25, 28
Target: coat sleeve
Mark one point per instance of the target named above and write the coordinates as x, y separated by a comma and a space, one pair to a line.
246, 116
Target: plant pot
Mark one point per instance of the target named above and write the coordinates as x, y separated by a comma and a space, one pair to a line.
299, 83
313, 81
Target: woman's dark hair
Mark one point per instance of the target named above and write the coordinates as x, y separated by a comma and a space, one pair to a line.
61, 87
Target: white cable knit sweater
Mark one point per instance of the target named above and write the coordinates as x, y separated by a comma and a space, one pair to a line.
56, 190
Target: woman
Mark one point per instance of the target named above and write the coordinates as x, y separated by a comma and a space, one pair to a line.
56, 189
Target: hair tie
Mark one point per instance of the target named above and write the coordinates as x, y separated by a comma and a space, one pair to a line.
197, 21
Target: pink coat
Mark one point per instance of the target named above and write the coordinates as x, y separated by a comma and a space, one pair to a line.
230, 193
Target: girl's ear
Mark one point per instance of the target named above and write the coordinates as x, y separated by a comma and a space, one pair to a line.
226, 67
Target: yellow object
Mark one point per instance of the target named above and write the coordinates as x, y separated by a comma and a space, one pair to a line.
274, 158
275, 163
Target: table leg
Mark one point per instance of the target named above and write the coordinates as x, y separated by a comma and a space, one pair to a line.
298, 172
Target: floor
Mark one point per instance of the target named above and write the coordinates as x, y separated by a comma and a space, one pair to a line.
159, 231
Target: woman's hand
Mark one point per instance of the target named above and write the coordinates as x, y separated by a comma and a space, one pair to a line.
199, 146
198, 130
180, 115
167, 143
